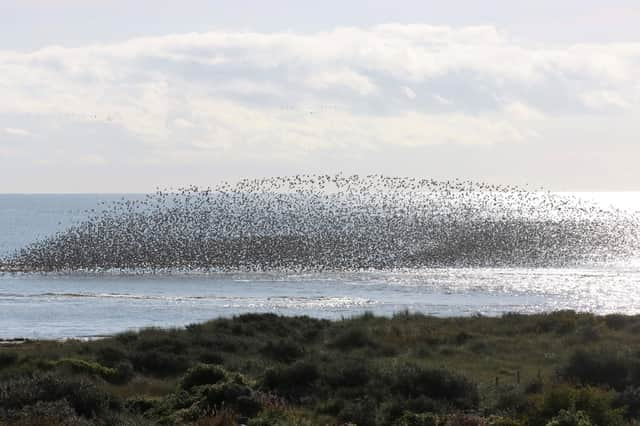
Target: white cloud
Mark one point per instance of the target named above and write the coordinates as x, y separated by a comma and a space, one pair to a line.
343, 78
442, 101
287, 96
93, 160
408, 92
520, 111
606, 99
182, 123
17, 132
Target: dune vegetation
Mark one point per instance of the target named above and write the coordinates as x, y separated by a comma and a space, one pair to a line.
560, 368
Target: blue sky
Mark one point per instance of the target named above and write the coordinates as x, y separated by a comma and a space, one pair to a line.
115, 96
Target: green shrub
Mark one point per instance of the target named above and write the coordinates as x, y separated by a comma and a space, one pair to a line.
229, 344
232, 395
124, 372
247, 405
596, 403
211, 358
293, 380
511, 400
394, 407
278, 417
629, 399
413, 419
109, 355
602, 368
464, 420
202, 374
534, 386
82, 396
159, 363
348, 372
462, 337
353, 338
140, 404
616, 321
7, 358
560, 322
175, 401
570, 418
84, 366
283, 350
410, 381
45, 414
159, 340
120, 374
503, 421
361, 412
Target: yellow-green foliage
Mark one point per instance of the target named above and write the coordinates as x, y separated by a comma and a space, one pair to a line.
84, 366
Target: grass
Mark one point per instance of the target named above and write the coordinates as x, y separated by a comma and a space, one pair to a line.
410, 369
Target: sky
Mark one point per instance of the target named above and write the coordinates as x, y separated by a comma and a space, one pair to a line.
121, 96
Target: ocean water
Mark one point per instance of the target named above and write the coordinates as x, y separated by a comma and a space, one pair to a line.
36, 305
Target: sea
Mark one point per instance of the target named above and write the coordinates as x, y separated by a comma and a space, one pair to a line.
93, 305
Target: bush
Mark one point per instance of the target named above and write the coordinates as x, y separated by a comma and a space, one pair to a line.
238, 397
110, 355
84, 366
596, 403
570, 418
411, 381
202, 374
361, 413
140, 404
83, 397
502, 421
560, 322
347, 373
211, 358
159, 340
7, 358
601, 368
413, 419
616, 321
293, 380
123, 373
511, 400
278, 417
45, 414
630, 400
283, 350
352, 338
464, 420
159, 363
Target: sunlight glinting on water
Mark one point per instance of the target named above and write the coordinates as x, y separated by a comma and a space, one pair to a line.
58, 305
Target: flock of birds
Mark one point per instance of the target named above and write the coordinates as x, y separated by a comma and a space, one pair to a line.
339, 223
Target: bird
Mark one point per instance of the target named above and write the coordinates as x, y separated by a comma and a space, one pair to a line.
340, 222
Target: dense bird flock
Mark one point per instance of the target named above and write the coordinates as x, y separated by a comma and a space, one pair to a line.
336, 222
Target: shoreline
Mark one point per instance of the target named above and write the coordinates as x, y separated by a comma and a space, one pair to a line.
7, 341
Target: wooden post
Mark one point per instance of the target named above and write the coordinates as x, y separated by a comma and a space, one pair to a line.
518, 376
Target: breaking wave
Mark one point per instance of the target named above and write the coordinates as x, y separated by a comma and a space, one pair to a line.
282, 302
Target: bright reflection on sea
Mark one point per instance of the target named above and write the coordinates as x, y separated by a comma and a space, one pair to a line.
60, 305
89, 305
